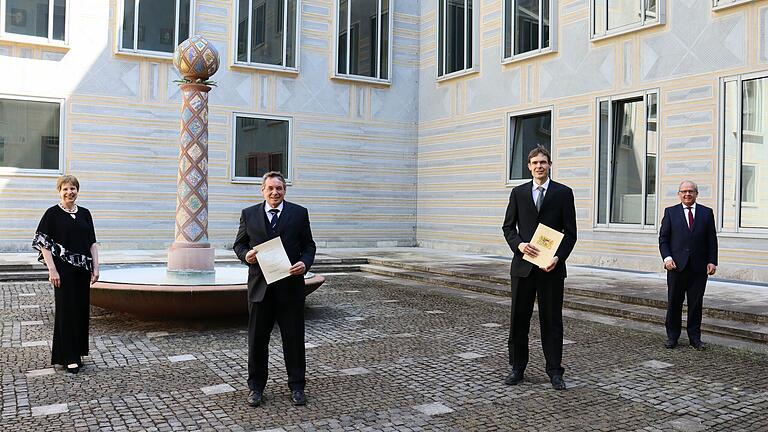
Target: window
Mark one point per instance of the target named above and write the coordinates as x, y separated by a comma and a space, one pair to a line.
454, 36
744, 152
157, 26
527, 26
526, 131
725, 3
29, 134
266, 34
45, 19
261, 144
619, 16
363, 32
627, 160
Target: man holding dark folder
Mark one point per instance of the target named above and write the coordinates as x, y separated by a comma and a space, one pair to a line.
540, 201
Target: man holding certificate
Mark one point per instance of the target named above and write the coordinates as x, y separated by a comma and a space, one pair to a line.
540, 228
275, 240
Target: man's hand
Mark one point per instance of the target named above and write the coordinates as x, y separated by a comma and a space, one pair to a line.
670, 264
711, 269
551, 265
250, 257
298, 269
528, 249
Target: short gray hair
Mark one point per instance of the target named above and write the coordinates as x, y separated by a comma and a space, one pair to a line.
695, 186
272, 174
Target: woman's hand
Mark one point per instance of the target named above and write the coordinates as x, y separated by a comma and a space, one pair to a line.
94, 276
53, 278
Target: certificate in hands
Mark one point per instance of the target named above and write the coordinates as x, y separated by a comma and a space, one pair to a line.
547, 241
273, 260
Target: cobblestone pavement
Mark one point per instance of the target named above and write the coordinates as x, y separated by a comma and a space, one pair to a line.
383, 355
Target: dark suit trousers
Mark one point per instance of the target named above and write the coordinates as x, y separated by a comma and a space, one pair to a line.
261, 319
548, 288
682, 284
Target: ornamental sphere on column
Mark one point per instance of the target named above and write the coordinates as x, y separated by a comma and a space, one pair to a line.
196, 59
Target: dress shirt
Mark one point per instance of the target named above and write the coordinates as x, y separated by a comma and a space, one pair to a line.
536, 193
267, 208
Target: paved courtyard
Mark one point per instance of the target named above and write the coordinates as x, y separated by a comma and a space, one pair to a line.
383, 355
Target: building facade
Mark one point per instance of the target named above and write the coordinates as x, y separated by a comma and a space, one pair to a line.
399, 122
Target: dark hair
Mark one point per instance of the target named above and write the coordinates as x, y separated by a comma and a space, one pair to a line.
272, 174
539, 149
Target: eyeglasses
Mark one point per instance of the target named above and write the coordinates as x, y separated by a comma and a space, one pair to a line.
688, 191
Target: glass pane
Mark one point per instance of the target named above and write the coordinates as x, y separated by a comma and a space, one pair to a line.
468, 36
183, 22
624, 12
651, 144
599, 18
526, 26
291, 35
342, 48
627, 164
261, 145
440, 42
157, 21
731, 146
545, 24
27, 17
242, 31
267, 32
528, 132
364, 37
651, 10
754, 154
59, 19
508, 18
454, 52
384, 57
29, 131
602, 164
128, 17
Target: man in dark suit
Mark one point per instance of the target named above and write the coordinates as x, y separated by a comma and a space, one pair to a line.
544, 201
688, 245
283, 300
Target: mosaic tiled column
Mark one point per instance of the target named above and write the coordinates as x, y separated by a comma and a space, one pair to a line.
197, 60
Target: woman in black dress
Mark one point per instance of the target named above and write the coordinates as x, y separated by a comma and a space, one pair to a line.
66, 240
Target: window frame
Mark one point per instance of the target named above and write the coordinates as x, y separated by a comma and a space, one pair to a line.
289, 152
149, 53
553, 14
629, 28
267, 66
613, 226
468, 69
41, 172
716, 6
737, 229
510, 130
37, 40
363, 78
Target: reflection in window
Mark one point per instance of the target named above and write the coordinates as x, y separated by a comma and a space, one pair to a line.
159, 26
266, 32
745, 155
454, 29
627, 157
526, 24
29, 134
363, 38
527, 132
611, 16
261, 145
37, 18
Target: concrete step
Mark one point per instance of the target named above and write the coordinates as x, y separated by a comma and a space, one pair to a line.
23, 275
748, 330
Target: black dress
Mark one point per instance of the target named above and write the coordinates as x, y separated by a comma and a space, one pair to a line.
69, 239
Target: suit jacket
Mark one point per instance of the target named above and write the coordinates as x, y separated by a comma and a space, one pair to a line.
695, 248
557, 212
296, 235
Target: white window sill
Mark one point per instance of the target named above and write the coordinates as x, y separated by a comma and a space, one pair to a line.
625, 228
29, 172
145, 54
253, 180
527, 55
34, 40
265, 67
720, 7
512, 183
458, 74
750, 233
629, 29
362, 79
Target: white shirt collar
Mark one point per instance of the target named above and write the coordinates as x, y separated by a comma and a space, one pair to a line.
267, 208
545, 185
693, 207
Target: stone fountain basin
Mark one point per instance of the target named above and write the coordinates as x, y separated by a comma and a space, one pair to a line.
149, 291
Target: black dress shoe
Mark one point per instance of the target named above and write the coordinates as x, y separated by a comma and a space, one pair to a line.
514, 378
557, 382
298, 397
255, 397
698, 345
669, 344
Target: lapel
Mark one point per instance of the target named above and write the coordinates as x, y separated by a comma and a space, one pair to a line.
552, 188
259, 218
682, 218
285, 217
528, 198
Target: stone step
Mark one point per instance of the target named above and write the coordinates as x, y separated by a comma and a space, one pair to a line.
748, 330
23, 275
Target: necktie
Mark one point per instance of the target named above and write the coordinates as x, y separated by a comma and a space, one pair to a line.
273, 220
540, 198
690, 218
